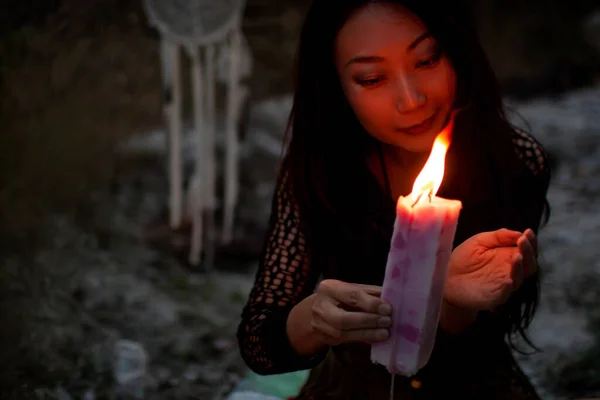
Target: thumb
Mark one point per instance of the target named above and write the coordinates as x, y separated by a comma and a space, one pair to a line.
499, 238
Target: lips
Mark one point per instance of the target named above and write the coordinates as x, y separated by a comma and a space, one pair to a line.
419, 128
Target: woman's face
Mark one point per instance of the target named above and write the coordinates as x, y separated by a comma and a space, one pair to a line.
394, 76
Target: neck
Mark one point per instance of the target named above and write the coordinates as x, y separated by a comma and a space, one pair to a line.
402, 168
401, 159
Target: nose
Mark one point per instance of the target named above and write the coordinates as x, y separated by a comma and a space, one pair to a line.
409, 97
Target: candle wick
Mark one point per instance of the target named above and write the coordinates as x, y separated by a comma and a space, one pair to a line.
417, 200
429, 195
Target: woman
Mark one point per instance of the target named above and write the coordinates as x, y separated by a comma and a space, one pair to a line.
376, 82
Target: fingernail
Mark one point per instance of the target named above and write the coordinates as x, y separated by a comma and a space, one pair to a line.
382, 334
384, 309
385, 322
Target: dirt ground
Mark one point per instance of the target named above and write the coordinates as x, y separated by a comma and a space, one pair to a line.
74, 85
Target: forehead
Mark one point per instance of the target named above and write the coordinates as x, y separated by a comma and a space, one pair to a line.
378, 26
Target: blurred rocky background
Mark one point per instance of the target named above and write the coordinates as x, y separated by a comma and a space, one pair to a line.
91, 278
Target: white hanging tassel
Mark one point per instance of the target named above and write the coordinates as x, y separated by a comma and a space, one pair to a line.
195, 200
204, 24
170, 56
234, 99
209, 189
393, 378
195, 191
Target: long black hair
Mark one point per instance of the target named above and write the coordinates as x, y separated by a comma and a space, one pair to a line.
326, 150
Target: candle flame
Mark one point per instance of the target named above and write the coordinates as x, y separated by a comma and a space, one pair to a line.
430, 178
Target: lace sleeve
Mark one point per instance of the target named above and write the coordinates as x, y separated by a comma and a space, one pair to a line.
531, 152
284, 278
535, 158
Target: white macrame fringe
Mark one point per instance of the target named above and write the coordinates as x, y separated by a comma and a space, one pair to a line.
206, 52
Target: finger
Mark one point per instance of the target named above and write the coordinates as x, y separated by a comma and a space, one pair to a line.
366, 335
531, 236
517, 273
350, 320
331, 335
329, 287
526, 250
334, 336
370, 289
499, 238
355, 297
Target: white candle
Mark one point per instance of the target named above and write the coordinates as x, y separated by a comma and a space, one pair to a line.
416, 268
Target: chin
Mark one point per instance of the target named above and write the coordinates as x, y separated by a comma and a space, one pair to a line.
419, 143
416, 144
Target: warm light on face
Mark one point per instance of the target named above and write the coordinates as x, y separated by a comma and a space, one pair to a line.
431, 176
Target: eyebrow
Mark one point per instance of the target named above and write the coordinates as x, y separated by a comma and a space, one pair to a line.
375, 59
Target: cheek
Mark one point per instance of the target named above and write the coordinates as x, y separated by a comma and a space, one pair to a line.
370, 107
442, 85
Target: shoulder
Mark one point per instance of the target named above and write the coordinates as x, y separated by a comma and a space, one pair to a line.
285, 203
531, 152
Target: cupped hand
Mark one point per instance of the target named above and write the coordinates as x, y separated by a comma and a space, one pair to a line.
345, 312
528, 247
486, 269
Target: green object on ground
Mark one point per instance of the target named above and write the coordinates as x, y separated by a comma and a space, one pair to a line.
282, 386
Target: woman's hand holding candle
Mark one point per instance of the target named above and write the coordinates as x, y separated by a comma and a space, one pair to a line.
346, 312
488, 267
338, 312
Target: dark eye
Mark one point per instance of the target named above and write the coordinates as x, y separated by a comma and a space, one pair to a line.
369, 81
431, 61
